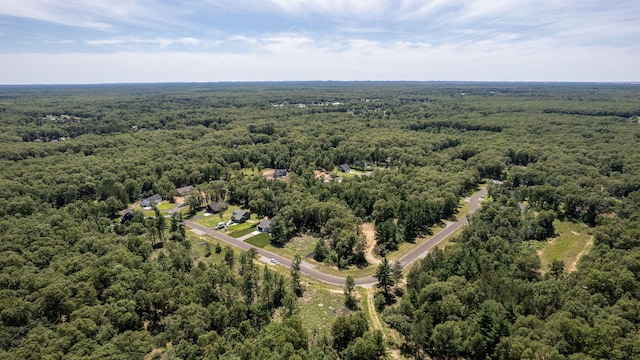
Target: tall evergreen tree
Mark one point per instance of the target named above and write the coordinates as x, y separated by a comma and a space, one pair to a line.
295, 276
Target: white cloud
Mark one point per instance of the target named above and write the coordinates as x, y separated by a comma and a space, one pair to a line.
573, 40
129, 41
292, 58
95, 14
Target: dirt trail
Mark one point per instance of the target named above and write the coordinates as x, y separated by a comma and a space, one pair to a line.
369, 233
376, 324
392, 352
574, 265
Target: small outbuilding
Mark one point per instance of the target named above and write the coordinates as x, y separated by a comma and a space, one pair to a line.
344, 168
264, 226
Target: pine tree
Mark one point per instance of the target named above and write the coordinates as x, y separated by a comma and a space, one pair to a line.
295, 276
384, 276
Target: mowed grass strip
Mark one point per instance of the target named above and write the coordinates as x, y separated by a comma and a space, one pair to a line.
260, 240
572, 242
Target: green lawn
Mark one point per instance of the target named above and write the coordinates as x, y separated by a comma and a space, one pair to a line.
260, 240
212, 220
165, 206
239, 230
573, 240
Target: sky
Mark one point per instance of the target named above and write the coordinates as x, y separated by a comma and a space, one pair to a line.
130, 41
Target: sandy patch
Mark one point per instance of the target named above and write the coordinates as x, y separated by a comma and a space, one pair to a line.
324, 176
268, 174
369, 233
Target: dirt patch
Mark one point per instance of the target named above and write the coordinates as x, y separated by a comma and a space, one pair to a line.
268, 174
154, 352
324, 176
179, 199
369, 233
574, 265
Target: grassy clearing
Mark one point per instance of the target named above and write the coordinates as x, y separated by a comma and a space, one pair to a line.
349, 175
302, 245
353, 270
241, 230
260, 240
299, 245
304, 249
199, 246
573, 240
319, 306
212, 220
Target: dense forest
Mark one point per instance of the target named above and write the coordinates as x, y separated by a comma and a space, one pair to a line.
76, 282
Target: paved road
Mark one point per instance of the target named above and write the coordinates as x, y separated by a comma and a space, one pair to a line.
308, 269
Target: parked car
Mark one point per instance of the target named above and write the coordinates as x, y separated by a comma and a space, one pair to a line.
221, 225
274, 261
182, 204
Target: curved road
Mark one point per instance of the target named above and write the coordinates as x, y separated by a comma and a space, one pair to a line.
308, 269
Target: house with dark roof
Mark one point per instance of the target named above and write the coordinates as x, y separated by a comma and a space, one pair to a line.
217, 207
152, 200
240, 215
280, 173
127, 215
264, 226
184, 190
344, 168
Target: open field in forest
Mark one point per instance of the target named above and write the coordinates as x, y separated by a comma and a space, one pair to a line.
573, 241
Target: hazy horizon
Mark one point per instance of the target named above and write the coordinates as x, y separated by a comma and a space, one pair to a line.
120, 41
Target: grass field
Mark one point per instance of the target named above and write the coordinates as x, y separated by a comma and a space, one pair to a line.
239, 230
260, 240
212, 220
320, 306
573, 240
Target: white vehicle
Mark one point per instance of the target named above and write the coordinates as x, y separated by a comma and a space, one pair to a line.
274, 261
221, 225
